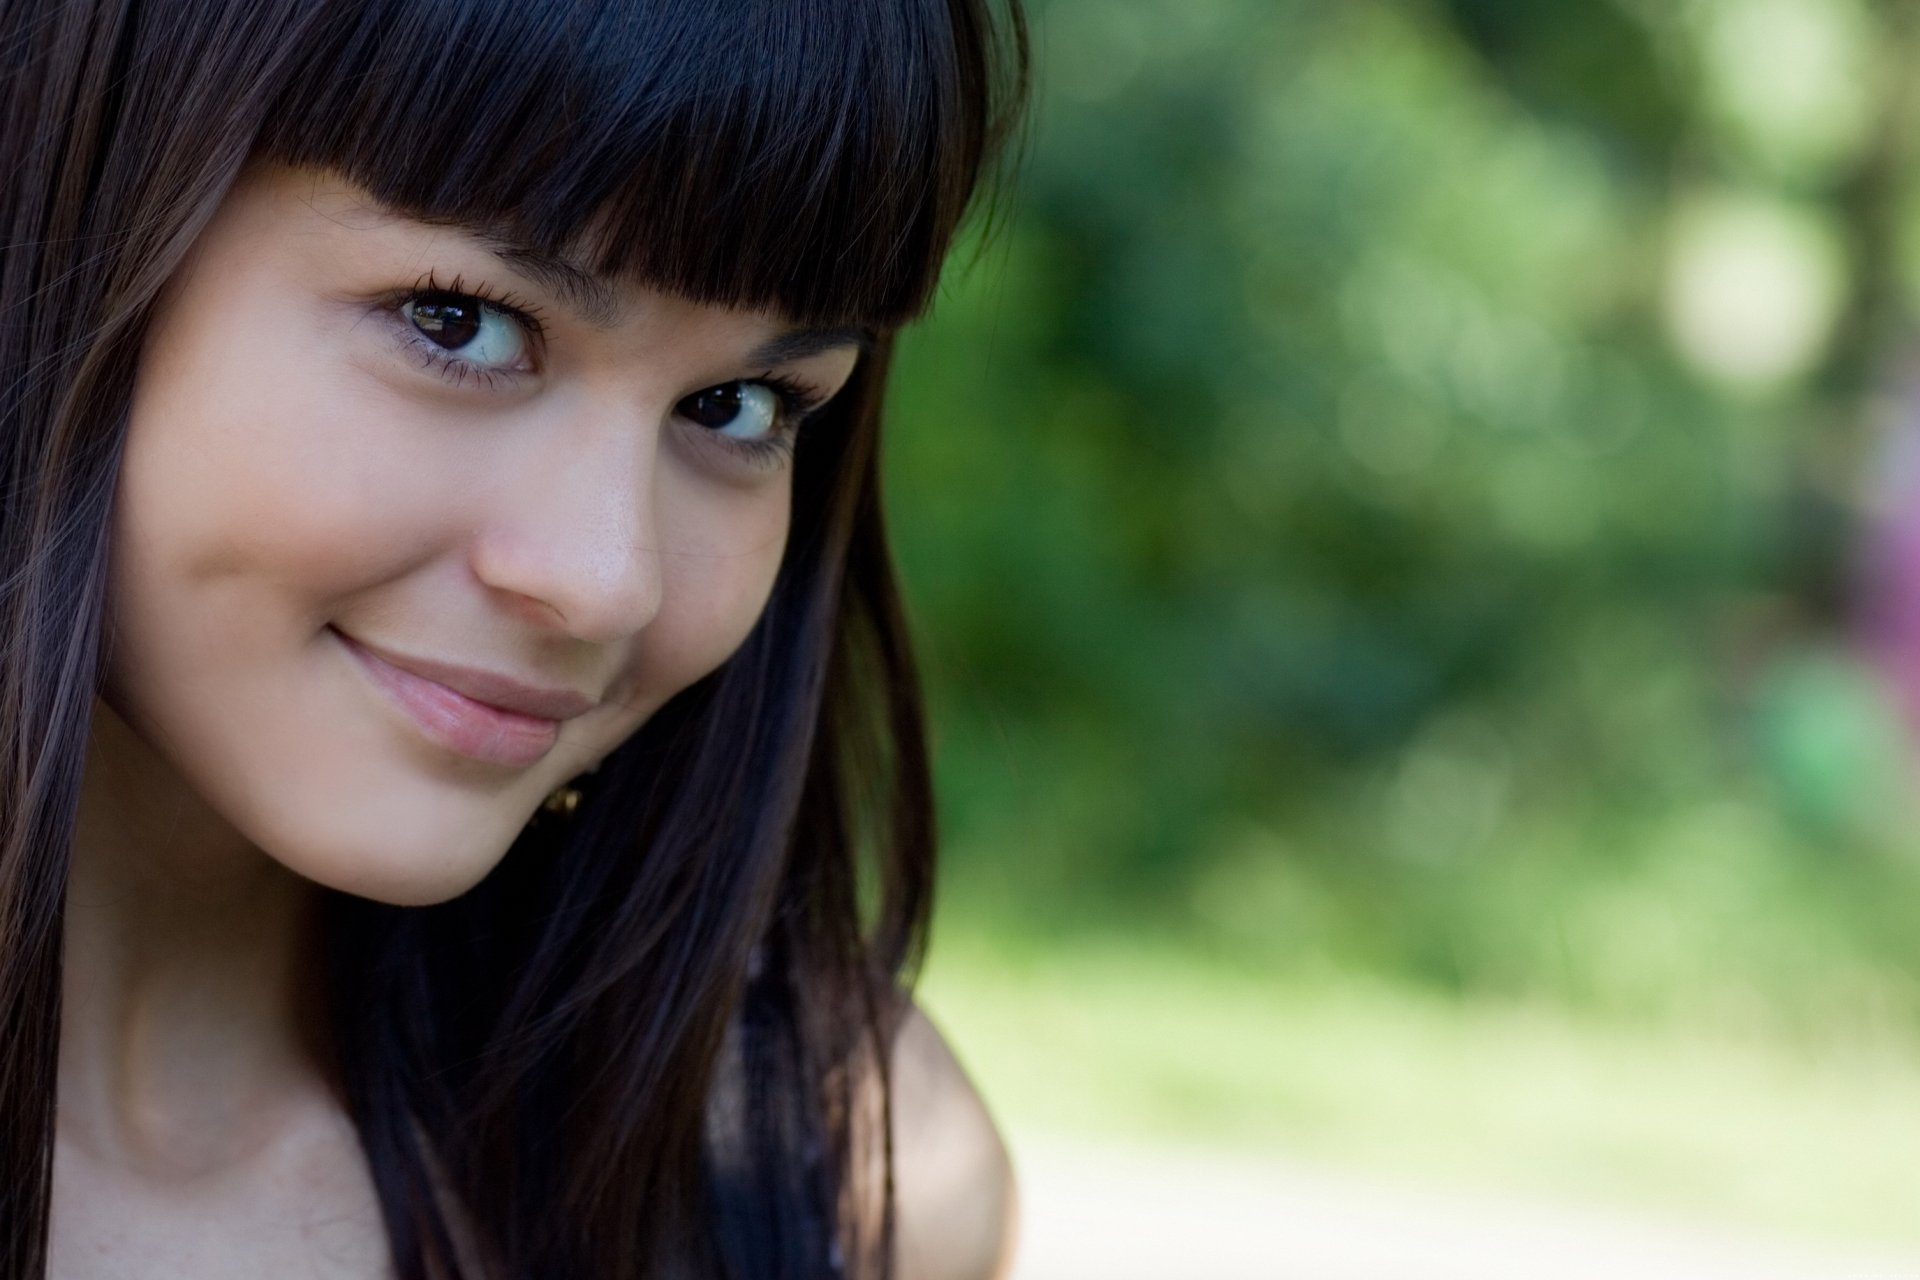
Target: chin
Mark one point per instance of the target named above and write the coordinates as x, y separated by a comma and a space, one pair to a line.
409, 886
390, 876
399, 865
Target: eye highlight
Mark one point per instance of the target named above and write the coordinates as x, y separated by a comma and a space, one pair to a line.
468, 334
742, 410
759, 416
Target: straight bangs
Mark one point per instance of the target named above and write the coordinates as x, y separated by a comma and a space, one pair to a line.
808, 157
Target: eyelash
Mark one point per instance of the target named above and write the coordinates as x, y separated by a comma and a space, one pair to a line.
797, 402
451, 367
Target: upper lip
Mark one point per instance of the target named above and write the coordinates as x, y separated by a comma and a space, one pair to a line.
494, 689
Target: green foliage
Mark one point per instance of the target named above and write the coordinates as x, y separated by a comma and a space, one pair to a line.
1348, 526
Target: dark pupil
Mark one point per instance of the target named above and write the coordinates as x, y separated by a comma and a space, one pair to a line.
714, 407
450, 321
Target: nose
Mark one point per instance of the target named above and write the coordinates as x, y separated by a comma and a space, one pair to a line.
572, 537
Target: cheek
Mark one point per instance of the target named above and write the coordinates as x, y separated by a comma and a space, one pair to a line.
258, 490
256, 461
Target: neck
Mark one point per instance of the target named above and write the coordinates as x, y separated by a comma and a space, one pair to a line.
189, 1000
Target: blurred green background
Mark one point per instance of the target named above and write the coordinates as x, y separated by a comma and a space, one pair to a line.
1380, 516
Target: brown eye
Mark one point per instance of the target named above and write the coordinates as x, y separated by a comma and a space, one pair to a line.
477, 331
744, 410
449, 319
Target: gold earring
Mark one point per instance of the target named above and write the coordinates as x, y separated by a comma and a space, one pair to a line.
563, 801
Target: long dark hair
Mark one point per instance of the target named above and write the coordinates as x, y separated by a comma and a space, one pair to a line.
653, 1040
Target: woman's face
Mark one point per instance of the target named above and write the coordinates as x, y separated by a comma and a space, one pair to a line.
414, 525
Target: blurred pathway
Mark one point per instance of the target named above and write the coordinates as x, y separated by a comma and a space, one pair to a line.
1137, 1213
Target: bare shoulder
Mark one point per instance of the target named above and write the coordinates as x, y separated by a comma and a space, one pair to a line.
953, 1181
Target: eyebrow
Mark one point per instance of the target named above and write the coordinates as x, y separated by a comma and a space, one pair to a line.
799, 344
565, 277
589, 295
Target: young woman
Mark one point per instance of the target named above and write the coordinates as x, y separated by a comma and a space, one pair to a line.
465, 810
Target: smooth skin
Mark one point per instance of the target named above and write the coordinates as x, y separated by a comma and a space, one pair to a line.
316, 459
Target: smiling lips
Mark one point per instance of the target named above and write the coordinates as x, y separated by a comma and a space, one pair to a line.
475, 713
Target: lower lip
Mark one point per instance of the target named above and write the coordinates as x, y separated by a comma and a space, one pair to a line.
457, 722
